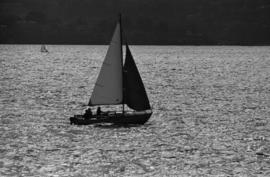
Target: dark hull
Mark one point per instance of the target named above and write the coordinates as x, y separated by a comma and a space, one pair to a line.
116, 118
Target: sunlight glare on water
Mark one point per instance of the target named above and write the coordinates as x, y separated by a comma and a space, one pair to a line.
211, 113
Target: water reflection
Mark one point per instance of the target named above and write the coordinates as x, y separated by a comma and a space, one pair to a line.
211, 110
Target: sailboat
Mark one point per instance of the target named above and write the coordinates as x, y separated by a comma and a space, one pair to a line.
118, 84
43, 49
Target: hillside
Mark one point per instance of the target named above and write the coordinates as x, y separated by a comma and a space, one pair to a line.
185, 22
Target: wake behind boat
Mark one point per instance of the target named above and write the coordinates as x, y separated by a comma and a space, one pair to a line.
118, 84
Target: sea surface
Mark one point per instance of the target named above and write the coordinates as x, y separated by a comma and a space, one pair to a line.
211, 113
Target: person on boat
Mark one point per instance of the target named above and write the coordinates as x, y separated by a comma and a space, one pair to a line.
87, 114
98, 111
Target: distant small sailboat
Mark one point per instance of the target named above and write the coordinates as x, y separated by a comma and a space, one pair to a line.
43, 49
118, 84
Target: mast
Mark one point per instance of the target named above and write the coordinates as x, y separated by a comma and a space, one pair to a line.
121, 48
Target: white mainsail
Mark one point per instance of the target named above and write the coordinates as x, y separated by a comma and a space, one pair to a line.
109, 85
43, 48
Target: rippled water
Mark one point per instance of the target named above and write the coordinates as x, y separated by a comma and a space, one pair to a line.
211, 113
